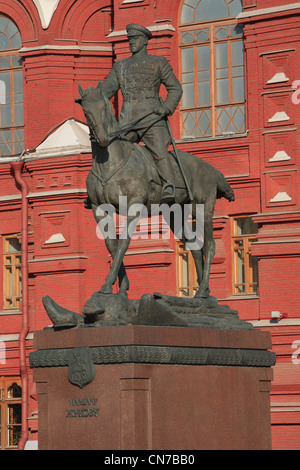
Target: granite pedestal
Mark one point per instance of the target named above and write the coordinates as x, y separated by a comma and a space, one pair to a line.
153, 388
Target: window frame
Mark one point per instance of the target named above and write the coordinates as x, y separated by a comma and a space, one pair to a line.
5, 403
192, 286
16, 297
246, 241
214, 106
17, 138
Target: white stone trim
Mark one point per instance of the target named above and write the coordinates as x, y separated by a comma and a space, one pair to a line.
13, 337
280, 156
11, 197
282, 322
61, 192
131, 1
46, 9
154, 28
281, 196
267, 11
279, 77
69, 138
279, 116
57, 258
55, 47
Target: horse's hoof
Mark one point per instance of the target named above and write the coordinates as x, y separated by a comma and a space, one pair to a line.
202, 293
106, 289
123, 294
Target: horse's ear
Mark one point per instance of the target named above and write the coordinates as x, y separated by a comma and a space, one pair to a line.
99, 85
80, 89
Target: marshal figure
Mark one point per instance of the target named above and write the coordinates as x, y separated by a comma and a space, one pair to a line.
139, 78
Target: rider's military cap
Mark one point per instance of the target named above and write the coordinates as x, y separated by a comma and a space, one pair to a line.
136, 29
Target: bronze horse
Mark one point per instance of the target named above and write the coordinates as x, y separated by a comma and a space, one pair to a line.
122, 168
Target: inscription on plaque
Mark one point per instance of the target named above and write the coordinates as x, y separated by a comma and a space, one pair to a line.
82, 408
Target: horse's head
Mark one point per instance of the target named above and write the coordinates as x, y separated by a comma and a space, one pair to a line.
95, 107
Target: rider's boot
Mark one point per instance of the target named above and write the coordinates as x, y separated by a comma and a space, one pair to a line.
168, 194
87, 203
167, 174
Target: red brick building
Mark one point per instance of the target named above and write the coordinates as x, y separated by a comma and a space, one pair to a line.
238, 62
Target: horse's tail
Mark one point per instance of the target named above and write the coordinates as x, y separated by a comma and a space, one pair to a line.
223, 188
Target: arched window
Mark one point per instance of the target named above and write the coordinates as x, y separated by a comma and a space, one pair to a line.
212, 68
10, 412
11, 90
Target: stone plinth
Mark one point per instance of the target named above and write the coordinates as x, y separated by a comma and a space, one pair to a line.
153, 388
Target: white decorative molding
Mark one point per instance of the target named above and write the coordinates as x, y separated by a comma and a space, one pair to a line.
12, 337
131, 1
61, 192
10, 197
70, 138
55, 238
57, 258
282, 196
46, 9
267, 11
282, 322
280, 156
76, 48
279, 77
153, 29
279, 116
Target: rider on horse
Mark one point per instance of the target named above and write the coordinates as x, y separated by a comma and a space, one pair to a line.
139, 78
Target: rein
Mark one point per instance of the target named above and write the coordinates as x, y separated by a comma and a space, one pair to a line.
134, 125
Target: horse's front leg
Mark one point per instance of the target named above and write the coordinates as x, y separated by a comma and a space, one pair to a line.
116, 268
112, 245
121, 248
106, 226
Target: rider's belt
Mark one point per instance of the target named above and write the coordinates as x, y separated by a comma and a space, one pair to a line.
127, 99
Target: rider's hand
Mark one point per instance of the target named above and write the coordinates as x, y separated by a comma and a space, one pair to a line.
160, 110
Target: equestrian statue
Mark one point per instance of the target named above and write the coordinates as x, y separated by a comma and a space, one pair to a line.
147, 176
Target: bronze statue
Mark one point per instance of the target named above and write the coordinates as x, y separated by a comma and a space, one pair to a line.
122, 168
146, 176
139, 78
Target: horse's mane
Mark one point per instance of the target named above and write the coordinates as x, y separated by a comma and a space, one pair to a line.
112, 123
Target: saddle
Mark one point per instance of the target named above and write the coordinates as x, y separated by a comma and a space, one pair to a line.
149, 160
